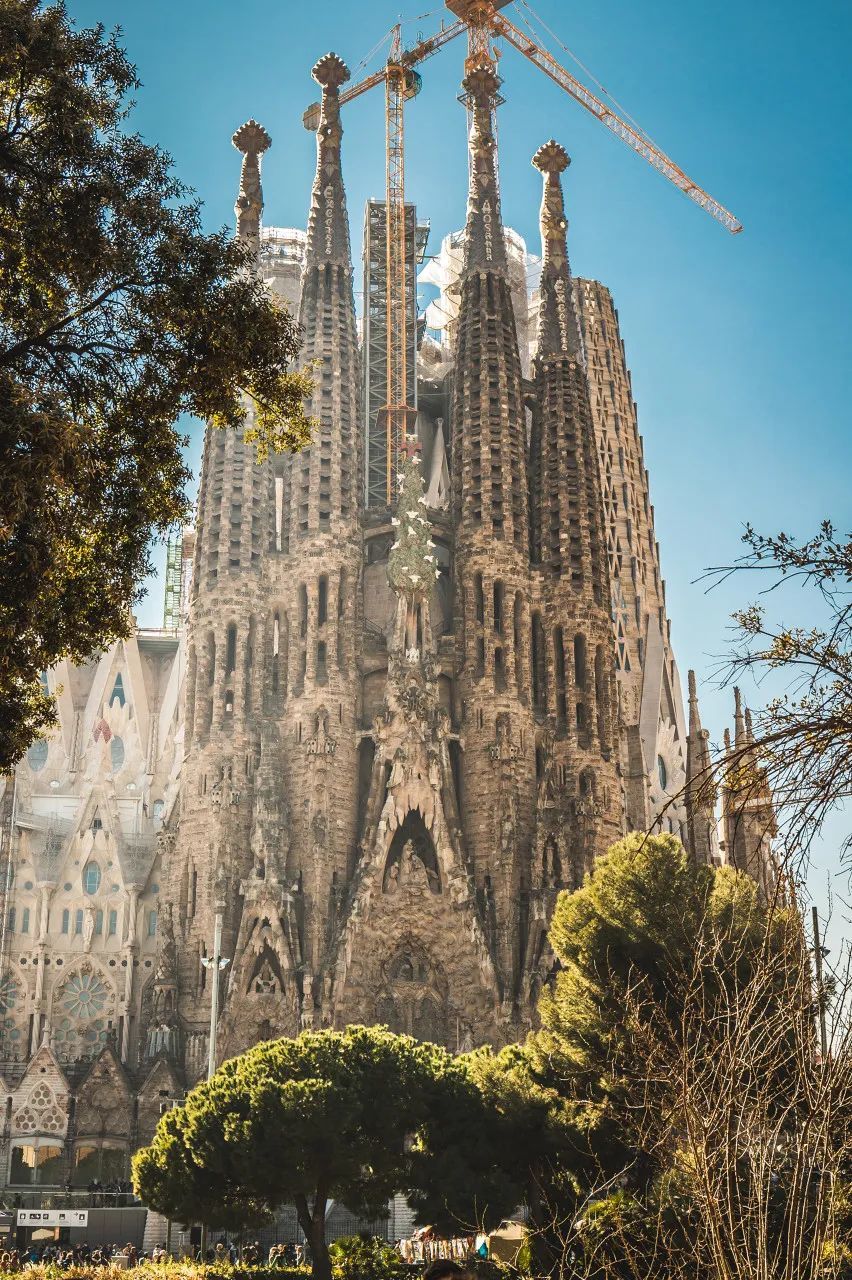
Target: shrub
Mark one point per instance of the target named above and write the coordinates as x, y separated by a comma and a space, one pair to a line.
366, 1258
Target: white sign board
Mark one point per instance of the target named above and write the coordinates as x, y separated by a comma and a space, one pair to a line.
53, 1217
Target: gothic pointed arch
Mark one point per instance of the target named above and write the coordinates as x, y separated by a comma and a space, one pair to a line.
104, 1099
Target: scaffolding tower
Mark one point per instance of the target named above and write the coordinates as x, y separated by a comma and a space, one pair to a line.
179, 552
375, 336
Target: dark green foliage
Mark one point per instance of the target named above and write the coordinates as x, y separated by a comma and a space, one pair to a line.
366, 1258
681, 998
117, 315
328, 1116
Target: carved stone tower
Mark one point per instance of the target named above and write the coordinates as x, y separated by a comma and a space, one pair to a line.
495, 661
235, 524
579, 795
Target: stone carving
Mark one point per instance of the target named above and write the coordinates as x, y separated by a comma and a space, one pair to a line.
504, 751
321, 744
414, 867
166, 972
252, 140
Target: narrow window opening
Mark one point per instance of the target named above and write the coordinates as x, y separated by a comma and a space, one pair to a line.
580, 662
303, 610
479, 598
231, 650
498, 607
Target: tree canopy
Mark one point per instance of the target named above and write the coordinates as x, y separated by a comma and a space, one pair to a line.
331, 1115
679, 1039
118, 314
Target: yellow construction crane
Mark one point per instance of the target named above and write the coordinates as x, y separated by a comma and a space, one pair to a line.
481, 20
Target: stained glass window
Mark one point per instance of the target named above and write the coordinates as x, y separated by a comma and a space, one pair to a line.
91, 877
83, 1015
116, 753
84, 994
37, 755
117, 694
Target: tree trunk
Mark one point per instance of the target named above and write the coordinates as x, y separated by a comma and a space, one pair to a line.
313, 1225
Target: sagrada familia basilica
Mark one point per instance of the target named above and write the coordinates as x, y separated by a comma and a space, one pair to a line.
381, 738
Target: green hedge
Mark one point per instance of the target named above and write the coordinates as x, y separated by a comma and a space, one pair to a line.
352, 1259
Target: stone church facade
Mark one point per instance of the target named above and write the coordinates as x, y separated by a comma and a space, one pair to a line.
386, 737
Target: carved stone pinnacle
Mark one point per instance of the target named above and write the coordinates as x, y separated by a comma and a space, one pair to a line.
551, 158
252, 139
481, 83
330, 72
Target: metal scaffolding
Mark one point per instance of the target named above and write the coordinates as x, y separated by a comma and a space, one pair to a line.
180, 548
375, 331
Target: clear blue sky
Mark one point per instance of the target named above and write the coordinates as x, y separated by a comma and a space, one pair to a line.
739, 346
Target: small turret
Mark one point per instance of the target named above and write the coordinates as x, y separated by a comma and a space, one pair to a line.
485, 247
558, 328
328, 225
252, 140
747, 805
701, 790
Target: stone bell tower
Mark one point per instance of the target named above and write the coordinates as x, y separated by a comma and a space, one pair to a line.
207, 854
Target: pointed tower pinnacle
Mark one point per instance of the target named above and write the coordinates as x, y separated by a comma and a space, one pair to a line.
700, 789
489, 441
485, 248
748, 809
328, 226
252, 140
558, 327
739, 721
568, 532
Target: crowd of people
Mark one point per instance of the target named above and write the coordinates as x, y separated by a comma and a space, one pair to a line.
423, 1248
65, 1256
253, 1254
280, 1256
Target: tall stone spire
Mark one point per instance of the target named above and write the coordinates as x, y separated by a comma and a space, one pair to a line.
700, 789
321, 483
492, 576
252, 140
328, 225
567, 547
558, 328
485, 248
568, 534
313, 692
489, 417
227, 620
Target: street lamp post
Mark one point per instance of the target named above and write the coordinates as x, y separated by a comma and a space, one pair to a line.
215, 963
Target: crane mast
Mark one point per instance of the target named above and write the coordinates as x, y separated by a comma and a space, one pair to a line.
400, 82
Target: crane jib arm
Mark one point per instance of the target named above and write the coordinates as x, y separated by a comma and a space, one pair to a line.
642, 145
